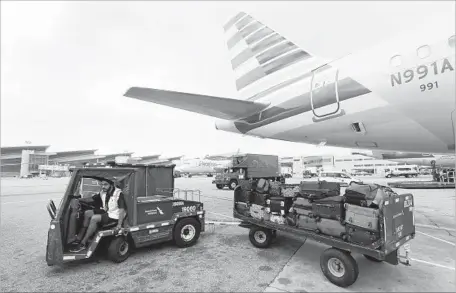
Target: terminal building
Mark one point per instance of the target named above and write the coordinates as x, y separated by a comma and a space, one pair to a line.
29, 161
351, 163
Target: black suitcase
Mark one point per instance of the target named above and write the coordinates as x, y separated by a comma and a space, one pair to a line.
279, 205
258, 198
334, 187
329, 208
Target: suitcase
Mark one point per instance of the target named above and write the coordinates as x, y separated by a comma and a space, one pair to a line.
279, 204
306, 222
331, 228
258, 198
329, 208
290, 190
361, 236
278, 219
258, 212
365, 218
367, 194
262, 186
275, 188
334, 187
301, 204
242, 208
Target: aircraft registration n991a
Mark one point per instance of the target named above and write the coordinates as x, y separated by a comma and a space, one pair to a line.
397, 95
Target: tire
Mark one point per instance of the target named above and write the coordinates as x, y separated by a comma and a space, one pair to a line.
233, 184
351, 183
388, 176
186, 232
339, 267
372, 258
260, 237
219, 186
119, 249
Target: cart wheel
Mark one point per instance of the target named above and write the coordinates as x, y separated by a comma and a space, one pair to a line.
119, 249
219, 186
186, 232
339, 267
260, 237
372, 258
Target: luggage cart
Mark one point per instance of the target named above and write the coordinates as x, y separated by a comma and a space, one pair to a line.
337, 263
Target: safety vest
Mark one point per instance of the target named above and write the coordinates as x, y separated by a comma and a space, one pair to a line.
113, 208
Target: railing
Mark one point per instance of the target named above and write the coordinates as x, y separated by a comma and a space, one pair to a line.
184, 194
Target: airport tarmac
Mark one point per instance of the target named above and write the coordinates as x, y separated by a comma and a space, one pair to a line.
223, 259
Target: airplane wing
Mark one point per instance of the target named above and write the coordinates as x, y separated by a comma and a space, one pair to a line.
223, 108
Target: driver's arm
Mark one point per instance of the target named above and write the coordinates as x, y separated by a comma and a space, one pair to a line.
122, 210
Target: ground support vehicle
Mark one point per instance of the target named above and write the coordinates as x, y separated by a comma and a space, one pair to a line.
156, 212
396, 229
249, 166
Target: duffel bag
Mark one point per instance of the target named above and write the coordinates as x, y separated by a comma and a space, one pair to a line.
290, 190
364, 194
275, 189
262, 185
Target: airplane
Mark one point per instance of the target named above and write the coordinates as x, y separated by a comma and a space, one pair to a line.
206, 166
425, 160
398, 95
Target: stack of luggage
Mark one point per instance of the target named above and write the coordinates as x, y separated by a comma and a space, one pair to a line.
318, 207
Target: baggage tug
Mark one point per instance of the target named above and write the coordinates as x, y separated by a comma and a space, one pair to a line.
369, 219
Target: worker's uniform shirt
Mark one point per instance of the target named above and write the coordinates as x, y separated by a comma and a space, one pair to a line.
115, 202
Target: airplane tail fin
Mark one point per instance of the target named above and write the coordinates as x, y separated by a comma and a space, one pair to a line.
261, 58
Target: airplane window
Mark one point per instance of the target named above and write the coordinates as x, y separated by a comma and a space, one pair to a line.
396, 60
451, 41
423, 51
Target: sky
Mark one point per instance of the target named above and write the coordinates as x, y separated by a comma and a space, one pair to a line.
66, 65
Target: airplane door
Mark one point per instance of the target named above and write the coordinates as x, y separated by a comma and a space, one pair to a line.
324, 95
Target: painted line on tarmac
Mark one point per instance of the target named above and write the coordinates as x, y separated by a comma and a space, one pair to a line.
435, 227
436, 238
27, 201
432, 264
222, 215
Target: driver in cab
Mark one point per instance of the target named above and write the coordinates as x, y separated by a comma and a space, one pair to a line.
109, 208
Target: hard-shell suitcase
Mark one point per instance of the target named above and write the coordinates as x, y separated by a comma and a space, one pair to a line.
365, 218
333, 187
306, 222
290, 190
279, 205
329, 208
331, 227
360, 236
275, 188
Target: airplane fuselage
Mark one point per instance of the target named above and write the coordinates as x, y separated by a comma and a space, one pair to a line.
398, 95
